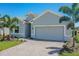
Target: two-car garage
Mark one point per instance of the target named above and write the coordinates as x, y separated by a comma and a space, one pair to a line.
49, 32
47, 27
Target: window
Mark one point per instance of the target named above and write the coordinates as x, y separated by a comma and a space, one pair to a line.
17, 29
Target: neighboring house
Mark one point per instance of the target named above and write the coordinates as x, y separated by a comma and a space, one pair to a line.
46, 26
20, 31
24, 27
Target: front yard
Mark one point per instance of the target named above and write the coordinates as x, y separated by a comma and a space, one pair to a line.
70, 54
7, 44
73, 53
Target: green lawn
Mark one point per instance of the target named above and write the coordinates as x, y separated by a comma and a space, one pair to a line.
7, 44
70, 54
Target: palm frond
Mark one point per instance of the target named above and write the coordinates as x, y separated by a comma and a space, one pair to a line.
15, 20
66, 10
64, 18
1, 25
76, 11
77, 18
6, 18
13, 26
74, 5
1, 19
70, 25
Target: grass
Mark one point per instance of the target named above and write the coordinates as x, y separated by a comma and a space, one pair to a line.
7, 44
70, 54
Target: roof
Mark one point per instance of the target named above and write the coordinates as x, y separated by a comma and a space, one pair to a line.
31, 14
30, 17
47, 11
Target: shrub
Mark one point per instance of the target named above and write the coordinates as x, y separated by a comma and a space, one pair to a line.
1, 37
77, 38
6, 37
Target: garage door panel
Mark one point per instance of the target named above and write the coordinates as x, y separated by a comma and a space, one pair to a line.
49, 33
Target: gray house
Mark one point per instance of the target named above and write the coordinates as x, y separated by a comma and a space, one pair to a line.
45, 26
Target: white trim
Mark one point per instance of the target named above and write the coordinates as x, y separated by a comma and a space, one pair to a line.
47, 25
46, 12
50, 26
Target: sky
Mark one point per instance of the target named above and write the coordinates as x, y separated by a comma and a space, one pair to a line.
22, 9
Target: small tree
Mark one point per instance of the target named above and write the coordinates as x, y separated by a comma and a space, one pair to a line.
72, 17
9, 23
2, 28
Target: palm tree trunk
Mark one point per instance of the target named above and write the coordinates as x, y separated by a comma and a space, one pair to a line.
73, 35
8, 35
3, 34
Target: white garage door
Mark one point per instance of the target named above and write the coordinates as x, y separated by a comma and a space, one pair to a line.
50, 33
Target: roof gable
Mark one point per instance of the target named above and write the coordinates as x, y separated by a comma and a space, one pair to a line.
46, 12
30, 17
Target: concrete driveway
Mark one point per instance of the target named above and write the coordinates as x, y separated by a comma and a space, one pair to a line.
34, 48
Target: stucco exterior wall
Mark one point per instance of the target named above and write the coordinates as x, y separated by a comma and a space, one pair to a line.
23, 29
49, 18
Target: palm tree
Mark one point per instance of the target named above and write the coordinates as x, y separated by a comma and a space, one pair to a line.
9, 23
72, 16
2, 27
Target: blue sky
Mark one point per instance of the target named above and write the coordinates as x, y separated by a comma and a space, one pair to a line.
22, 9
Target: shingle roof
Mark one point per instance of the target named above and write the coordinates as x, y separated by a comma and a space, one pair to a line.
30, 17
